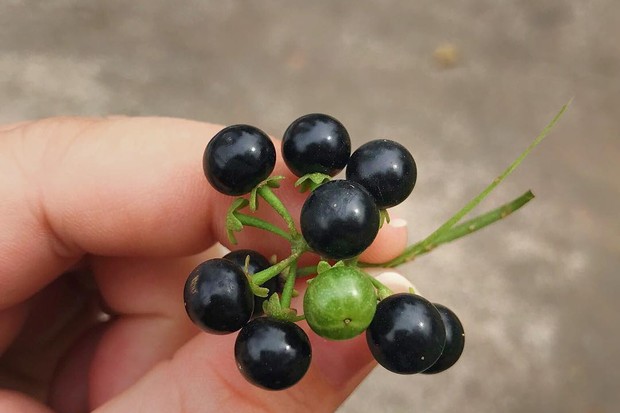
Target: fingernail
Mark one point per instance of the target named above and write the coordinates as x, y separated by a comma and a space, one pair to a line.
398, 223
396, 282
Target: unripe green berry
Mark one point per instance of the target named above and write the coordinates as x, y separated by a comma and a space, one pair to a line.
340, 303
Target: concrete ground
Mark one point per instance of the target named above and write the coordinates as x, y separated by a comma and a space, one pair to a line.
538, 293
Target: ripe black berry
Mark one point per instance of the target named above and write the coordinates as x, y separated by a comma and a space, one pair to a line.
316, 143
238, 158
406, 335
386, 169
218, 297
339, 219
257, 263
455, 341
272, 354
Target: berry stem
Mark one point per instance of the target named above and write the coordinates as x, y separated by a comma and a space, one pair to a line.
458, 231
440, 232
265, 275
267, 194
289, 285
248, 220
304, 271
382, 290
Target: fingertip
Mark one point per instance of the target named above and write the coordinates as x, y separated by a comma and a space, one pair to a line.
390, 242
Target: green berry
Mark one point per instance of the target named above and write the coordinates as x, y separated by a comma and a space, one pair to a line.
340, 303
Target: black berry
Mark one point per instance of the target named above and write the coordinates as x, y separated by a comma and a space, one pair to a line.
218, 297
316, 143
272, 354
406, 335
455, 341
339, 219
386, 169
257, 263
238, 158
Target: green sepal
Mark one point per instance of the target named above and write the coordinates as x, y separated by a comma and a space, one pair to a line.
271, 182
322, 266
232, 222
384, 216
310, 182
382, 293
257, 290
273, 308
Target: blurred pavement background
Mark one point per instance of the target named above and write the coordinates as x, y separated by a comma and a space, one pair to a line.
465, 85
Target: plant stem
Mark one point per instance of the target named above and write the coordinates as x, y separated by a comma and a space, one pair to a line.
303, 271
474, 202
289, 285
467, 227
267, 194
382, 290
483, 220
248, 220
265, 275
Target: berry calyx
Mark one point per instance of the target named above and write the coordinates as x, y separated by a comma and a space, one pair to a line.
455, 341
386, 169
340, 303
218, 297
407, 335
272, 354
339, 219
238, 158
256, 263
316, 143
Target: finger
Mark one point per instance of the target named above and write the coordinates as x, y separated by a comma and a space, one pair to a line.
69, 390
129, 187
16, 402
389, 243
151, 322
203, 373
11, 321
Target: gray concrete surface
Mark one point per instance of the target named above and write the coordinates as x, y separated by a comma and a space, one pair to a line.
537, 293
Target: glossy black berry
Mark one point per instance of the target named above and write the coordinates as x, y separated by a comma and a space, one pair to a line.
406, 335
339, 219
316, 143
455, 341
218, 297
272, 354
386, 169
257, 263
238, 158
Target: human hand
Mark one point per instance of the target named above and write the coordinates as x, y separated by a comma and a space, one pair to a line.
113, 214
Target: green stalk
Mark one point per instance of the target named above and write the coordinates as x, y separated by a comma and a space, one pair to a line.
466, 228
303, 271
267, 194
382, 290
265, 275
474, 202
248, 220
289, 285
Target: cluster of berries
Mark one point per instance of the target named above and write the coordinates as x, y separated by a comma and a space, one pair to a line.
339, 219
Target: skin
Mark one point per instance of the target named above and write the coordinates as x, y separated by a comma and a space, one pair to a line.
113, 214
